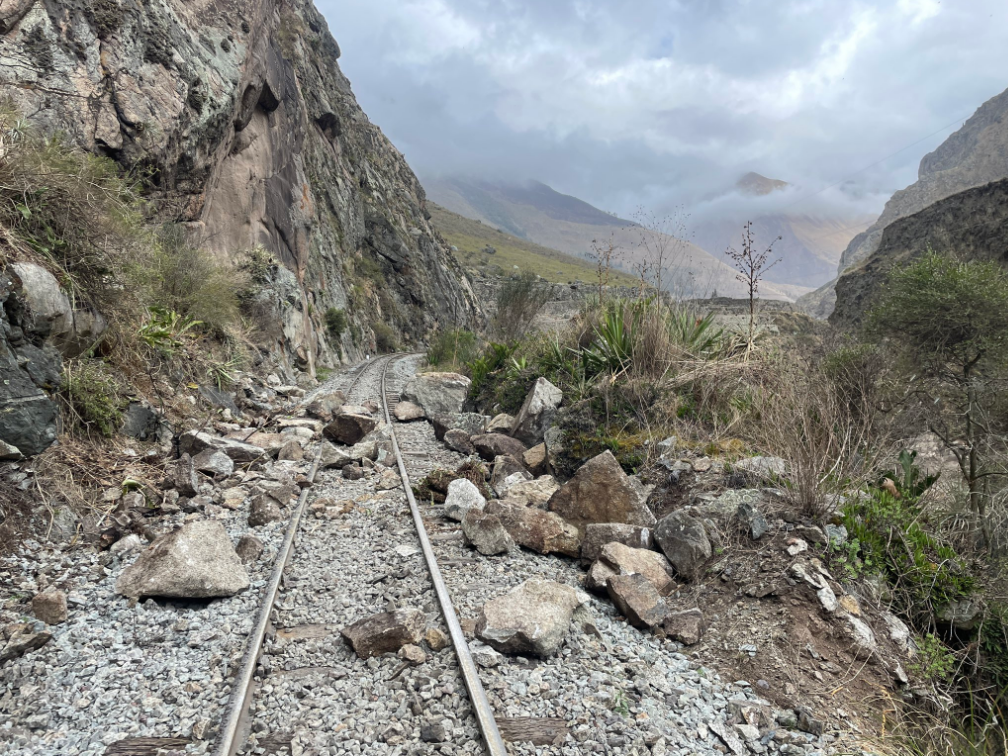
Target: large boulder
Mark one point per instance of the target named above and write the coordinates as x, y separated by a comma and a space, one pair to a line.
462, 496
532, 493
406, 412
618, 559
533, 618
492, 445
684, 541
501, 423
51, 318
598, 534
385, 632
437, 393
325, 404
535, 529
193, 442
601, 492
506, 472
637, 599
195, 561
349, 425
472, 423
486, 533
535, 459
537, 412
457, 440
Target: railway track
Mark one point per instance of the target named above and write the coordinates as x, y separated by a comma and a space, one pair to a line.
240, 721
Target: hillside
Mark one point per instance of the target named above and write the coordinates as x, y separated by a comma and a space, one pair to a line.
471, 238
541, 215
973, 156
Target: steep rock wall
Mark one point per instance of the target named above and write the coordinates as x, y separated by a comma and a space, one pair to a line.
972, 225
249, 133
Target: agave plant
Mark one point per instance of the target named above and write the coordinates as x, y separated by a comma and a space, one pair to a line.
699, 336
613, 346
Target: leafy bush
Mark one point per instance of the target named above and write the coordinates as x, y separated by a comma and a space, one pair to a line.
94, 394
385, 339
336, 322
453, 347
164, 329
519, 300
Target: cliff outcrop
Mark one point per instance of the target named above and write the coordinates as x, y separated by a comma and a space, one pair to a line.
239, 121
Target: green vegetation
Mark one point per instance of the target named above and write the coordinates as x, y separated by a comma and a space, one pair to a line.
94, 395
519, 300
336, 322
385, 338
452, 349
472, 238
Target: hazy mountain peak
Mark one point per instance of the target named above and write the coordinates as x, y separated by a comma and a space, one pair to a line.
754, 183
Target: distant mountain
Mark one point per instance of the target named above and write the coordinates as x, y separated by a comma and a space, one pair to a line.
975, 155
538, 213
809, 248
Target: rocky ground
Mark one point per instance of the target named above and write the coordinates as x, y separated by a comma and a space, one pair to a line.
683, 611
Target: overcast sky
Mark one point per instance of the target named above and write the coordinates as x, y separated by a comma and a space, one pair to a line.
649, 102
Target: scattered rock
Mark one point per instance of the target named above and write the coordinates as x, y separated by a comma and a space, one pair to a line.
537, 412
194, 561
433, 732
638, 601
183, 477
486, 533
702, 465
796, 546
532, 493
501, 423
472, 423
684, 541
862, 637
412, 653
9, 451
506, 472
213, 462
50, 606
598, 534
534, 459
532, 618
600, 492
140, 421
332, 458
291, 451
462, 496
436, 639
388, 481
353, 472
620, 559
386, 632
756, 470
437, 393
827, 599
836, 535
754, 521
24, 638
406, 412
349, 425
324, 406
962, 615
899, 633
125, 545
458, 441
685, 627
536, 529
483, 655
492, 445
193, 442
249, 549
265, 509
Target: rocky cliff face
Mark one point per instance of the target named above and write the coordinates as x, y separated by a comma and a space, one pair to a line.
973, 156
250, 135
971, 224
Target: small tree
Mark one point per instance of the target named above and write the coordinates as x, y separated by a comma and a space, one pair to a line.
605, 254
665, 251
518, 302
751, 265
948, 320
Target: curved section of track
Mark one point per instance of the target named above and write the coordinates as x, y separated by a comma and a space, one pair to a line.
232, 734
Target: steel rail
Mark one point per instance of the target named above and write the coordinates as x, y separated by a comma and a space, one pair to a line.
481, 704
241, 696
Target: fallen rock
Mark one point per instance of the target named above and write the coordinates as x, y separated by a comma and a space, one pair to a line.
796, 546
537, 412
836, 535
531, 619
406, 412
686, 627
386, 632
24, 638
862, 637
501, 423
637, 600
265, 509
462, 496
533, 493
140, 421
483, 655
436, 639
683, 539
534, 459
598, 534
183, 477
620, 559
433, 732
271, 443
50, 606
333, 458
536, 529
291, 451
388, 481
412, 653
486, 533
193, 442
249, 548
756, 470
212, 462
504, 467
600, 492
9, 451
194, 561
324, 405
458, 441
472, 423
753, 520
349, 425
492, 445
437, 393
353, 472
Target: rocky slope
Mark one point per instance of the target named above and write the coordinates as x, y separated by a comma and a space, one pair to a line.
250, 135
972, 224
975, 155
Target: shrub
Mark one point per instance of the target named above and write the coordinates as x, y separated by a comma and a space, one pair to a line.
385, 339
453, 348
519, 300
336, 322
94, 395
